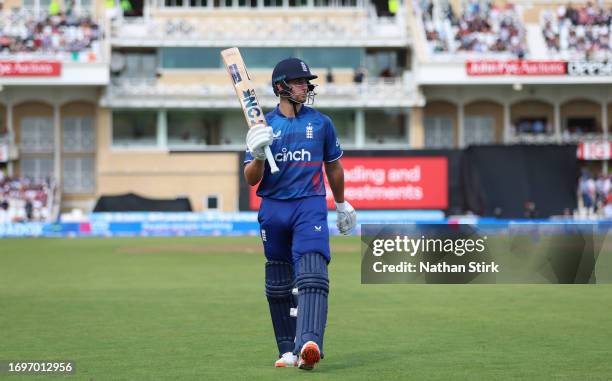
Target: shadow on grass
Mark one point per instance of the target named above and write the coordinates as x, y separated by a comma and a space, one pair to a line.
358, 359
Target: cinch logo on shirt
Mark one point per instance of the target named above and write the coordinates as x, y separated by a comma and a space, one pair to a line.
284, 155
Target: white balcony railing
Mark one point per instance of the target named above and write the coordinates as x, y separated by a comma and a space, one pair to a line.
388, 92
298, 28
551, 138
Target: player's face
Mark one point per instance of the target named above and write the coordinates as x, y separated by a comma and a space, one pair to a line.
299, 89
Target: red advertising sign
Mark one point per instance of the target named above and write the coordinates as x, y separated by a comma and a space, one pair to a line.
515, 67
594, 151
30, 68
390, 183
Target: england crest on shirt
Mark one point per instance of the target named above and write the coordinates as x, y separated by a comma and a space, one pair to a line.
309, 133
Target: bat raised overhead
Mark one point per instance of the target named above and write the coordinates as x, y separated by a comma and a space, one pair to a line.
246, 94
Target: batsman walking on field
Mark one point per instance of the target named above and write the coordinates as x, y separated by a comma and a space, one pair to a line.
293, 211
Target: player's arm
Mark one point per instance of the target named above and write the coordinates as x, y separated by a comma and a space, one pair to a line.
346, 216
335, 178
253, 171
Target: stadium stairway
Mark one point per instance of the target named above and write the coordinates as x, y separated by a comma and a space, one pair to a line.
417, 32
536, 43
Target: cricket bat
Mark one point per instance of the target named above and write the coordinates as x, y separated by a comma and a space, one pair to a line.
246, 94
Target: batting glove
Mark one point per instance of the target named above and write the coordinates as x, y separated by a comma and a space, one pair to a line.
258, 137
346, 217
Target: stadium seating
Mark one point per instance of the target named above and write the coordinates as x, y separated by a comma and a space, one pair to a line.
320, 26
478, 29
22, 199
578, 33
66, 37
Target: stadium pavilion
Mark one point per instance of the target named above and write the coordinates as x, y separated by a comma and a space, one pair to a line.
132, 97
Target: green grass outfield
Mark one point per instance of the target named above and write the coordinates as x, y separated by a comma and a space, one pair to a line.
194, 309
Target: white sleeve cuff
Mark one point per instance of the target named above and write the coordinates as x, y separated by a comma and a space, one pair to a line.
332, 160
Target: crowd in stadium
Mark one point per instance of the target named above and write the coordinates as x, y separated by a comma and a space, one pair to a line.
482, 27
533, 126
583, 30
435, 35
596, 194
53, 34
23, 200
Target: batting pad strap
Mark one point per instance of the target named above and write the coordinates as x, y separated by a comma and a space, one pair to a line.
315, 281
279, 279
312, 273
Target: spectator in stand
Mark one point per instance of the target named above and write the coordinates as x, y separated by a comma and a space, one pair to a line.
602, 188
393, 6
530, 210
29, 209
591, 193
608, 207
54, 8
582, 188
4, 216
329, 77
359, 75
70, 6
539, 127
497, 212
386, 73
587, 190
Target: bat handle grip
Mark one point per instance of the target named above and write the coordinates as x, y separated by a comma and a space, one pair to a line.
273, 167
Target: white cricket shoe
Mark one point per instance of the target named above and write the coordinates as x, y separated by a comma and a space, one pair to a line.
287, 360
309, 356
